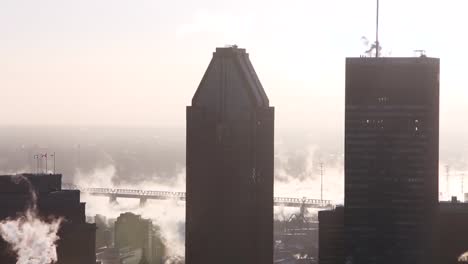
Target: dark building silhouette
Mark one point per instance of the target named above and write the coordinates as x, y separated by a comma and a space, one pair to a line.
391, 159
230, 130
76, 244
331, 236
452, 231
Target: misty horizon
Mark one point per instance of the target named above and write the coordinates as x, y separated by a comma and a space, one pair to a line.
133, 156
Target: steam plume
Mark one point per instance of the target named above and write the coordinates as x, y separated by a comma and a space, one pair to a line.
168, 215
32, 239
463, 257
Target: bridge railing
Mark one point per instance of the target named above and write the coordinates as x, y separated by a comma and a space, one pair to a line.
287, 200
181, 195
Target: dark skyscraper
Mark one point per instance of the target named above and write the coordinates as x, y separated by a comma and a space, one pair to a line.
230, 130
391, 159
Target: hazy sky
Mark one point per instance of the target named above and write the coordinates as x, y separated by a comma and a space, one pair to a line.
138, 62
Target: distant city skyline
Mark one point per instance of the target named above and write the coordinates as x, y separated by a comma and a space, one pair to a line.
115, 63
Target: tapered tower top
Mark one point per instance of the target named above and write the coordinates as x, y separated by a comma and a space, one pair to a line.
230, 84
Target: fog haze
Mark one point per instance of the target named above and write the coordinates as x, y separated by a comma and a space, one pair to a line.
122, 63
114, 77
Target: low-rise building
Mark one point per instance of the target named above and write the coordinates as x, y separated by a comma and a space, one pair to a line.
331, 236
43, 192
452, 231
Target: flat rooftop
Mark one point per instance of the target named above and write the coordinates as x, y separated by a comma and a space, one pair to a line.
392, 60
40, 182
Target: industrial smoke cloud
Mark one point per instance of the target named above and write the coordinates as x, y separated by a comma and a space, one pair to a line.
31, 238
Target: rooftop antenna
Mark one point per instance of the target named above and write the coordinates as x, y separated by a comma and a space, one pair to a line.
420, 52
53, 155
321, 181
377, 45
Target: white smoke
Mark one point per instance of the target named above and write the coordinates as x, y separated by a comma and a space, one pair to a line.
31, 238
170, 215
174, 260
167, 214
457, 184
306, 181
463, 257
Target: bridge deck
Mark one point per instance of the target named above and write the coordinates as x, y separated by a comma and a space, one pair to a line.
180, 196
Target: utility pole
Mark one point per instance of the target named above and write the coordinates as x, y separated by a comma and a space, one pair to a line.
36, 157
53, 155
45, 156
321, 181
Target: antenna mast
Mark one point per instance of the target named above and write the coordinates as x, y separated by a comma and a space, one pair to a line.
377, 45
321, 181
